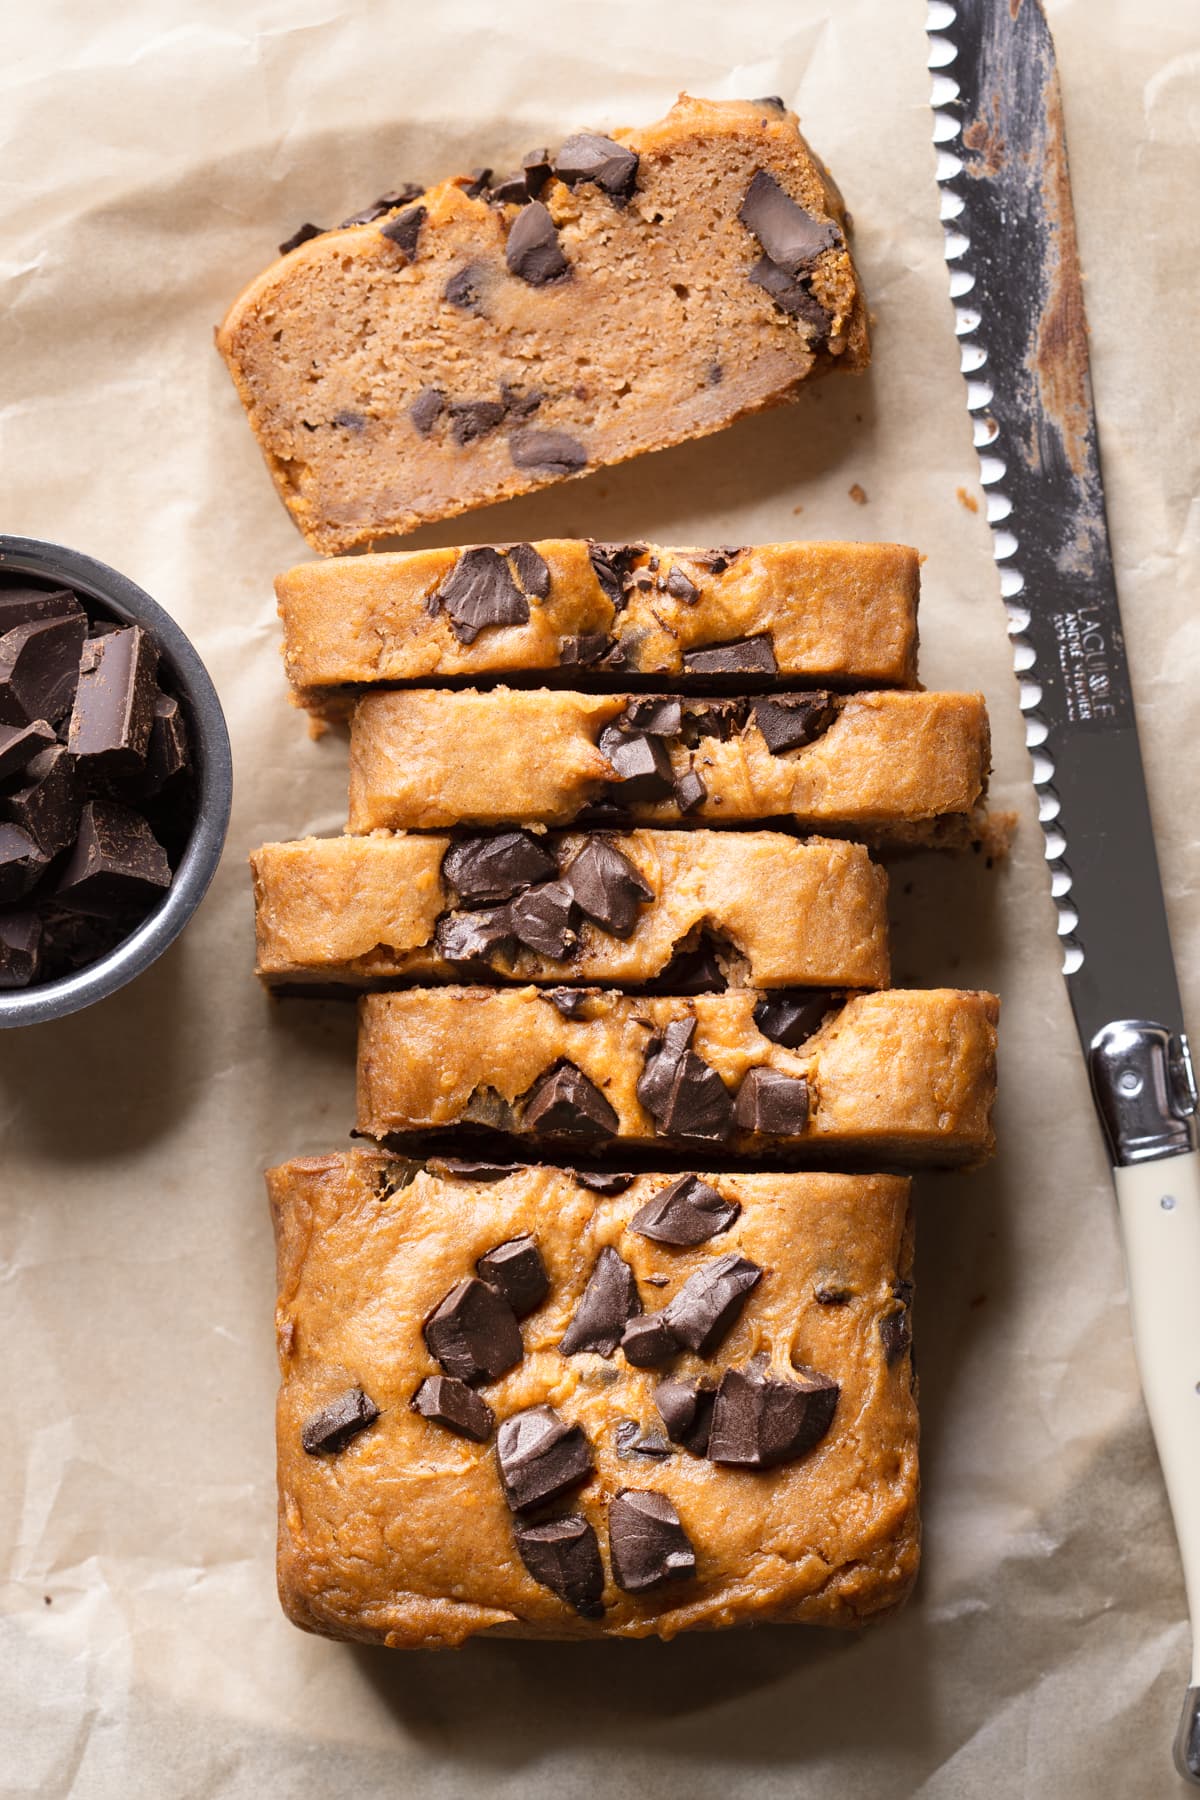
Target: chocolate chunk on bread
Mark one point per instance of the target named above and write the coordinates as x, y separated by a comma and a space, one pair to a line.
474, 343
576, 1492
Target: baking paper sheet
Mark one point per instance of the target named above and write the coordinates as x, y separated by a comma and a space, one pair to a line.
153, 154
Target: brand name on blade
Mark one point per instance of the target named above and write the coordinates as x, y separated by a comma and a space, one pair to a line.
1086, 660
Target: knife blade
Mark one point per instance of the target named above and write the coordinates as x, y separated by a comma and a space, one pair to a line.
1019, 313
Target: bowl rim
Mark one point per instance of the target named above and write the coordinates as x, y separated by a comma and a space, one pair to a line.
213, 759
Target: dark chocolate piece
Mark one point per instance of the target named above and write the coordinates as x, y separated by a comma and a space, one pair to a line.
487, 1107
648, 1342
833, 1296
19, 744
518, 405
685, 1408
469, 420
540, 1457
538, 169
510, 190
22, 864
790, 235
468, 1168
895, 1333
332, 1428
20, 948
646, 1541
717, 560
687, 1212
39, 668
405, 229
690, 791
632, 1441
684, 1096
613, 566
496, 868
465, 287
790, 295
708, 1305
542, 918
26, 605
771, 1103
426, 409
479, 183
680, 587
691, 970
589, 157
564, 1556
301, 235
353, 422
771, 103
564, 1103
604, 1181
401, 196
167, 752
473, 1332
480, 591
447, 1401
553, 451
473, 936
740, 656
531, 569
607, 1304
759, 1422
113, 714
640, 763
588, 648
532, 251
47, 804
568, 1002
791, 1019
515, 1268
789, 721
606, 887
656, 715
117, 862
713, 719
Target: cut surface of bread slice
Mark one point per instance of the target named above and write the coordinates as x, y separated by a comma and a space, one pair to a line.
473, 344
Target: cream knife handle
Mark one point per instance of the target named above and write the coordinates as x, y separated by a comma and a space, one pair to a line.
1159, 1204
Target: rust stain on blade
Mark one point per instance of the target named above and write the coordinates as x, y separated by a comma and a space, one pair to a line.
1059, 353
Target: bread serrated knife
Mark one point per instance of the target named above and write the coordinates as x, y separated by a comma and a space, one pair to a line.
1015, 281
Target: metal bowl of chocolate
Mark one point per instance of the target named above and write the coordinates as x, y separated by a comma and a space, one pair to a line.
115, 781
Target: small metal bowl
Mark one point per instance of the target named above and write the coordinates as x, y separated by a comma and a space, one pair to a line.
118, 597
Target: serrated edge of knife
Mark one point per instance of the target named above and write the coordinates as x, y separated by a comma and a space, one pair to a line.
940, 20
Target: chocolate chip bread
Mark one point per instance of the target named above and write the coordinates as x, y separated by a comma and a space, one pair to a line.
844, 615
456, 346
900, 1077
692, 910
873, 765
516, 1405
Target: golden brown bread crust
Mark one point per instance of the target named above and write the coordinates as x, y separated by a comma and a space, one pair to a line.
656, 335
423, 759
403, 1537
844, 614
903, 1077
357, 910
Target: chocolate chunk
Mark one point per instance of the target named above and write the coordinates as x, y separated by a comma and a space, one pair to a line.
604, 1181
655, 715
401, 196
516, 1269
474, 936
690, 791
532, 570
687, 1212
640, 763
552, 451
405, 229
487, 1107
22, 864
117, 862
895, 1332
771, 1103
647, 1542
589, 157
685, 1408
564, 1103
606, 887
473, 1332
465, 288
567, 1001
542, 917
467, 1169
680, 588
19, 744
790, 295
540, 1457
533, 252
648, 1342
426, 409
713, 719
632, 1441
113, 714
301, 235
607, 1304
27, 605
718, 560
450, 1402
470, 420
518, 405
684, 1096
47, 805
740, 656
564, 1556
789, 721
791, 1019
613, 566
480, 591
771, 103
20, 948
538, 169
510, 190
495, 868
167, 753
707, 1306
479, 182
333, 1427
694, 970
758, 1422
833, 1296
791, 237
588, 648
39, 669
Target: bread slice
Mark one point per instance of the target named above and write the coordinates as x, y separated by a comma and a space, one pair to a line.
467, 346
842, 615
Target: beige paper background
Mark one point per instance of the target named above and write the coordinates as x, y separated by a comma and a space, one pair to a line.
153, 154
